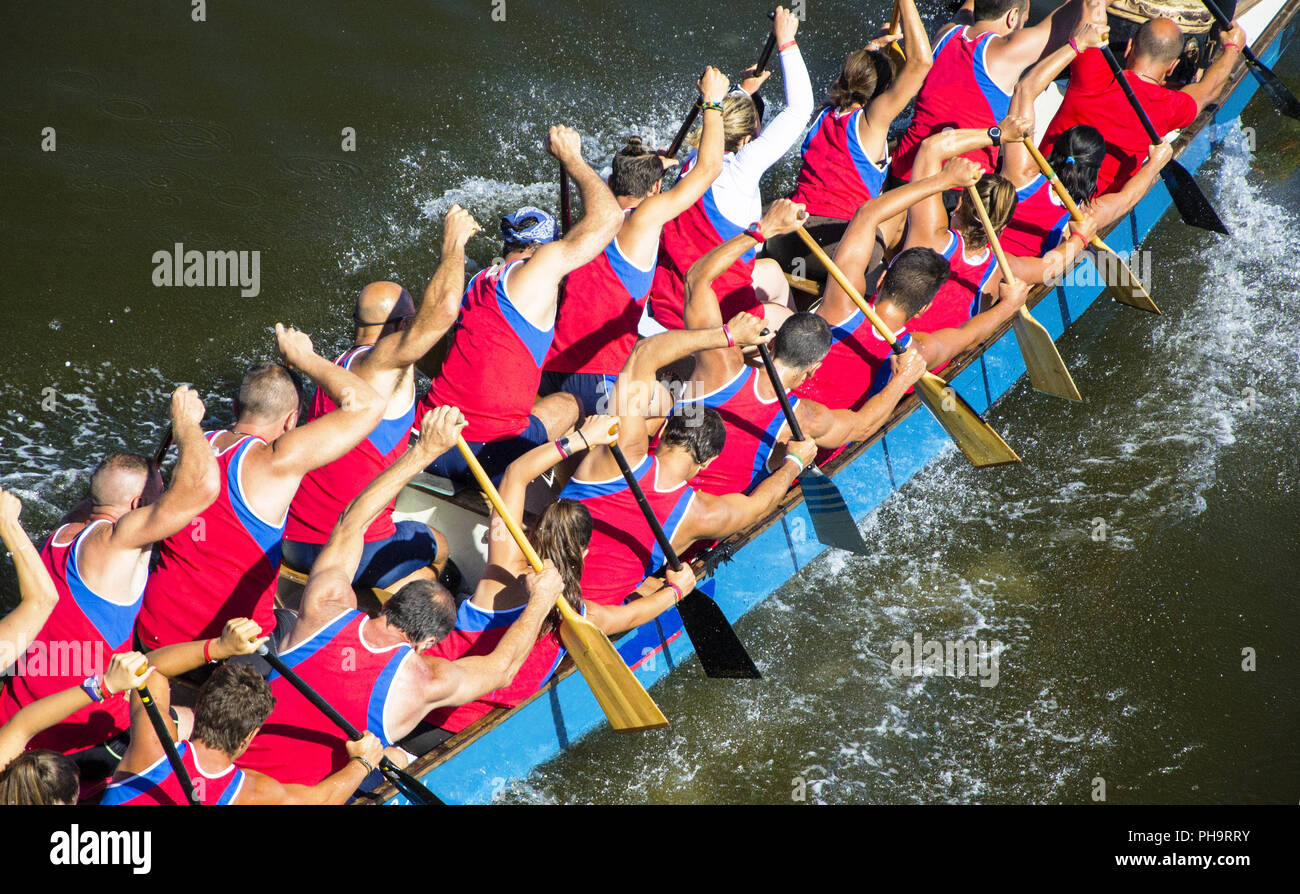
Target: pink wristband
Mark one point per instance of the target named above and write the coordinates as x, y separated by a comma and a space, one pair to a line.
731, 342
676, 589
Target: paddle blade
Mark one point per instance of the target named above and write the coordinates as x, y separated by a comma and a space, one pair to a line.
625, 702
721, 653
1192, 204
831, 518
1283, 98
1121, 283
976, 439
1047, 371
414, 790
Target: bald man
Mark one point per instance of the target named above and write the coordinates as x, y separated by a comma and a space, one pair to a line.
226, 563
1096, 99
390, 337
98, 559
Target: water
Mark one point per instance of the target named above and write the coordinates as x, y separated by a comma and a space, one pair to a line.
1120, 658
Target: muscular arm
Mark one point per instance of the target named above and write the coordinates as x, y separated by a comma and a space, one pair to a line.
715, 517
196, 483
941, 346
40, 715
873, 128
704, 312
753, 160
1208, 87
323, 440
336, 789
835, 428
35, 587
1009, 56
1109, 208
534, 285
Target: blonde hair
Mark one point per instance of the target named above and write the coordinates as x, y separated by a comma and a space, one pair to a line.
39, 778
999, 198
739, 121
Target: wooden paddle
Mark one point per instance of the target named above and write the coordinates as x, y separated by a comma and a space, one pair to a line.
830, 515
165, 737
1043, 363
621, 696
895, 47
414, 790
1192, 204
1283, 98
694, 113
720, 650
976, 439
1121, 283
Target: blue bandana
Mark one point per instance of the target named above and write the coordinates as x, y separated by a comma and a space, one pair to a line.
528, 225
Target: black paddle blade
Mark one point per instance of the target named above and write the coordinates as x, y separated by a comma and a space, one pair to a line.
1283, 98
1192, 204
414, 790
719, 649
831, 518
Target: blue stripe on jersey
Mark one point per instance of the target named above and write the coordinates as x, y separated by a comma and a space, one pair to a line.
886, 371
943, 41
816, 126
999, 102
848, 327
1053, 237
1030, 188
236, 783
671, 525
719, 397
768, 440
133, 787
988, 274
114, 622
379, 695
873, 178
474, 619
538, 341
726, 229
634, 279
585, 490
266, 536
950, 247
304, 650
389, 432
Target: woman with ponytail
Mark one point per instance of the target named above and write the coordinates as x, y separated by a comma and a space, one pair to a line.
1040, 222
845, 155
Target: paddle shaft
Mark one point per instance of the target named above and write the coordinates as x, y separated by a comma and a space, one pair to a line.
994, 242
1224, 25
566, 210
165, 737
670, 554
1057, 186
161, 453
1129, 94
838, 275
795, 431
407, 784
694, 113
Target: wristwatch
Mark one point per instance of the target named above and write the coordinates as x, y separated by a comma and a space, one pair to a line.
995, 134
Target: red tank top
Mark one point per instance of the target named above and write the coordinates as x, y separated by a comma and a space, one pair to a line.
1039, 222
160, 785
596, 327
298, 744
623, 549
223, 565
959, 298
687, 238
837, 174
325, 492
478, 631
958, 93
753, 426
857, 366
82, 634
494, 366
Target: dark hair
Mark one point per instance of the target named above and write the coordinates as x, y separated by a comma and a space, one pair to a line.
105, 484
36, 778
1161, 48
913, 279
999, 198
986, 10
635, 170
562, 535
803, 340
1086, 146
857, 81
702, 435
268, 391
233, 703
422, 609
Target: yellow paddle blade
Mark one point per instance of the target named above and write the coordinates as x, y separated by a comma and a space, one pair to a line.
981, 444
1121, 283
627, 705
1047, 371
